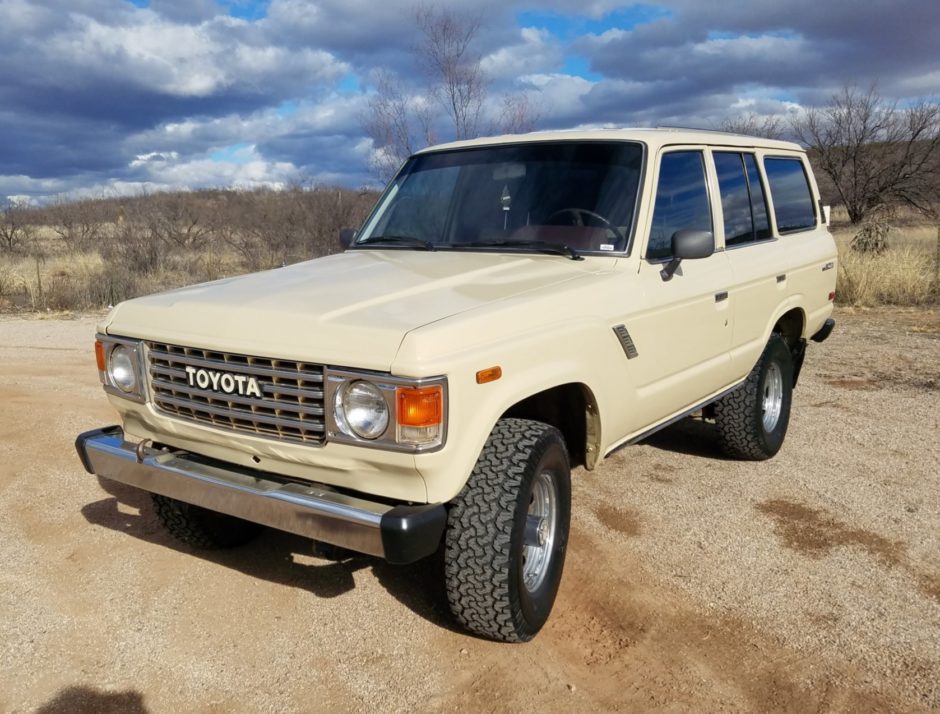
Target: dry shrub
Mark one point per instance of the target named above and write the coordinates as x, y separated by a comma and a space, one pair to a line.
900, 275
95, 253
73, 281
108, 250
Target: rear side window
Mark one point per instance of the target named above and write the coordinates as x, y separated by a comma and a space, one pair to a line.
681, 201
742, 198
789, 188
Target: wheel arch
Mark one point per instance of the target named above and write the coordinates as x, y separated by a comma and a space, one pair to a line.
572, 409
791, 326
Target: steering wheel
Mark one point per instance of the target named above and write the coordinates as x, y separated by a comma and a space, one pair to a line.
579, 214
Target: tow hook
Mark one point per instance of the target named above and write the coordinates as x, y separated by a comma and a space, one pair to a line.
140, 450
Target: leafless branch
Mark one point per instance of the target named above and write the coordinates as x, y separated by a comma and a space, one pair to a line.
875, 153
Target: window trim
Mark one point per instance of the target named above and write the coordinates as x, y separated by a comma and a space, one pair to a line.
707, 170
741, 152
801, 159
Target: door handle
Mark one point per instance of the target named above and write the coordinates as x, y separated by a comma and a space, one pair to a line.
781, 277
723, 295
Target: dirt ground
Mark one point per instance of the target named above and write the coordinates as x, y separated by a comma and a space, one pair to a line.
807, 583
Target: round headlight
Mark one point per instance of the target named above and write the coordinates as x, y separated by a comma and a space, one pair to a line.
121, 369
361, 409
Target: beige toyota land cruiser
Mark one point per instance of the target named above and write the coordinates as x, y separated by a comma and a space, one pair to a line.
512, 307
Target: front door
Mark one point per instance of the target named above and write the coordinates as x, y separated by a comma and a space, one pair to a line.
682, 332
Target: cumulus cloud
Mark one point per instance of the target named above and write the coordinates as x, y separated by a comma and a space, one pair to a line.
103, 96
535, 51
804, 46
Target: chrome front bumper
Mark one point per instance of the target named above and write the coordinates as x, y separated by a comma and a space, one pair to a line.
399, 534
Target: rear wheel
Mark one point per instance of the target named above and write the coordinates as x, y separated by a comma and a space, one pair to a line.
507, 532
752, 421
200, 527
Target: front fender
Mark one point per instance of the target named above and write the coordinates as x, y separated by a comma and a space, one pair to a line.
532, 361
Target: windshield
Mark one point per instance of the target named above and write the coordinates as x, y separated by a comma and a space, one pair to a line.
561, 197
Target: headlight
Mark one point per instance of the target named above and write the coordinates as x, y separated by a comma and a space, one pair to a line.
360, 409
121, 369
382, 411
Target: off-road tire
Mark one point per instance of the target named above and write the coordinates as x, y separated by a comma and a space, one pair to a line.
739, 416
484, 544
200, 527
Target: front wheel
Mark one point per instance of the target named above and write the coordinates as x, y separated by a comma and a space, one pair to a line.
200, 527
507, 532
752, 421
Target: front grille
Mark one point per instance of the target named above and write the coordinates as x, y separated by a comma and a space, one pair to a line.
219, 389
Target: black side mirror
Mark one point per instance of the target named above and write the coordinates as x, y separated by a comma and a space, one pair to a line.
688, 245
346, 237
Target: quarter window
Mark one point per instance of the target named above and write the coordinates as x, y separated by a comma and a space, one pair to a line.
758, 202
742, 198
681, 201
793, 202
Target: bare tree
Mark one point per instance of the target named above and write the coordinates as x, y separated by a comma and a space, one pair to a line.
518, 115
176, 219
16, 232
76, 223
750, 124
876, 154
397, 123
453, 102
453, 66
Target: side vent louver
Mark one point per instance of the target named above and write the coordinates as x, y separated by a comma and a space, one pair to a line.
629, 349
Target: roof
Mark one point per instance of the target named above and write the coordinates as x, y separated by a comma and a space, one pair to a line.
654, 138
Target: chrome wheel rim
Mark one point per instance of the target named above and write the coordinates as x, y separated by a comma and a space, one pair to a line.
540, 527
772, 401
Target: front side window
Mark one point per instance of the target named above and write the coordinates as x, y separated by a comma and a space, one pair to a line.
580, 195
681, 201
742, 198
789, 189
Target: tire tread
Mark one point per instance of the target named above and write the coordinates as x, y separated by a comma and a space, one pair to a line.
738, 434
480, 523
201, 528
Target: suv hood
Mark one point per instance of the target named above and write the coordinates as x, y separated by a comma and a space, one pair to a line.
351, 309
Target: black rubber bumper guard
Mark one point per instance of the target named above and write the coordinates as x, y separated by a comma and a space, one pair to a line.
824, 331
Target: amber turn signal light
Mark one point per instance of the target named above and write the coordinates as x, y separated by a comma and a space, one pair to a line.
420, 406
99, 355
490, 374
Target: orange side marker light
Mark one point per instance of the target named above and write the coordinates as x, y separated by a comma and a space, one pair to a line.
490, 374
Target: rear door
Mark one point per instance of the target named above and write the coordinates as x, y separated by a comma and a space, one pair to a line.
757, 262
770, 226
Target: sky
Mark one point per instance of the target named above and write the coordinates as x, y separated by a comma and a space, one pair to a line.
110, 97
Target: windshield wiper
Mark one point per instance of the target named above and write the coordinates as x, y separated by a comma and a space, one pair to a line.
403, 241
540, 245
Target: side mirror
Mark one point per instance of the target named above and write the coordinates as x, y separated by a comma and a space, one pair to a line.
346, 237
688, 245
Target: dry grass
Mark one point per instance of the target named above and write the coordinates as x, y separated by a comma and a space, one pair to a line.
905, 274
87, 281
93, 254
90, 256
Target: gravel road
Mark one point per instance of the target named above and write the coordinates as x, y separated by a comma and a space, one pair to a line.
807, 583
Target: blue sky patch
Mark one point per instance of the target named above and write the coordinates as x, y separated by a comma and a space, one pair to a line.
579, 66
350, 83
246, 9
286, 108
234, 154
568, 27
